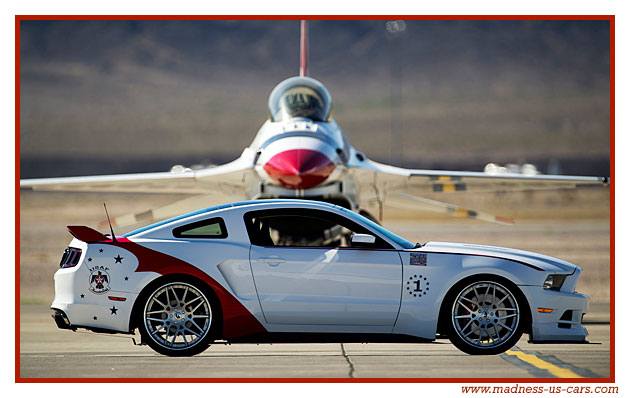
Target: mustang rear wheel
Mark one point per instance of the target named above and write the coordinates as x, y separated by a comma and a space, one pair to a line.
177, 319
485, 318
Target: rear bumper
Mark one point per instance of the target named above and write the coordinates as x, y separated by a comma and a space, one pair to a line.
61, 319
75, 306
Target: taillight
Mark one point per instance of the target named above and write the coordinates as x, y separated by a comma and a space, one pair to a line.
70, 257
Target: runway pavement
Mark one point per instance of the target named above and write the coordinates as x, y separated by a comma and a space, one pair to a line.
48, 352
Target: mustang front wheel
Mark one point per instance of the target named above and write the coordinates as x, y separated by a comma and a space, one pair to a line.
177, 319
485, 318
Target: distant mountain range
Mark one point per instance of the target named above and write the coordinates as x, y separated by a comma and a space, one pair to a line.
573, 50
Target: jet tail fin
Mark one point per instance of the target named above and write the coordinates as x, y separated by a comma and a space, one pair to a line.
303, 48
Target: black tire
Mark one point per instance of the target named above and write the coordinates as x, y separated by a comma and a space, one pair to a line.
484, 316
175, 317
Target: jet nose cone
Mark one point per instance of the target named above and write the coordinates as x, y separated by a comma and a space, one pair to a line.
299, 168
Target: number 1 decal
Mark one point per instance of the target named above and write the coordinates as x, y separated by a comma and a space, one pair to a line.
419, 281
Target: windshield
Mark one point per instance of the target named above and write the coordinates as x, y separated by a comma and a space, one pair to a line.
404, 243
300, 97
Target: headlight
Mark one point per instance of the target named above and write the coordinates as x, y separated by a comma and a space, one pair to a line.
554, 282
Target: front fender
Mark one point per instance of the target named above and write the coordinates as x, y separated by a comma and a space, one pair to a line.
419, 315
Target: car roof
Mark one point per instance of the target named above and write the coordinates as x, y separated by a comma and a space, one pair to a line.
261, 202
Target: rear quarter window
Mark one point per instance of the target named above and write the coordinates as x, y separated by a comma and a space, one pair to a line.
213, 228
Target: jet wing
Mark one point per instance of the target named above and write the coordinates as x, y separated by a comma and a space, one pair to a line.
226, 177
374, 176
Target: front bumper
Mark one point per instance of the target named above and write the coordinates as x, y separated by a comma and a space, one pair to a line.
564, 323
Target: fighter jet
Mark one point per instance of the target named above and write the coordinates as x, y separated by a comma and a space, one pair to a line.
301, 152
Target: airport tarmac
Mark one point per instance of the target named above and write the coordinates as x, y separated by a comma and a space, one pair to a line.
48, 352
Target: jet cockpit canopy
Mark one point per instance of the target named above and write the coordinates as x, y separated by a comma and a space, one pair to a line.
300, 97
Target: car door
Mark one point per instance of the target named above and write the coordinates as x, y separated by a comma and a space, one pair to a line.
307, 273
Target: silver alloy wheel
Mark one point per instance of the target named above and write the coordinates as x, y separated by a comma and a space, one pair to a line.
177, 316
485, 314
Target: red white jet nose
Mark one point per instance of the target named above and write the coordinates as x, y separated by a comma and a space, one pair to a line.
299, 168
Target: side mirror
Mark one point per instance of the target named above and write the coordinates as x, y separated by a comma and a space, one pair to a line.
363, 240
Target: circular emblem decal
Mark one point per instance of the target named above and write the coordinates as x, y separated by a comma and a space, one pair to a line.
99, 280
417, 286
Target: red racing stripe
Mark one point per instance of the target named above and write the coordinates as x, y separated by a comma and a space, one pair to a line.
237, 320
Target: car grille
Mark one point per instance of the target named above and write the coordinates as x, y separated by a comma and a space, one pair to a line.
568, 317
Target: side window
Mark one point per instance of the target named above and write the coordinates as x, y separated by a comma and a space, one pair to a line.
300, 228
213, 228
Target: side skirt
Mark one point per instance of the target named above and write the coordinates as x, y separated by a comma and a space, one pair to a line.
323, 338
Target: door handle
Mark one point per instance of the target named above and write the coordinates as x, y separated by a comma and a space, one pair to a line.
272, 261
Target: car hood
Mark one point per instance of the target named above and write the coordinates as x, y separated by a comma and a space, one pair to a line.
541, 261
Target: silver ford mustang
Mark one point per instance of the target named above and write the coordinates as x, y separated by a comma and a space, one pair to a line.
294, 270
